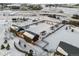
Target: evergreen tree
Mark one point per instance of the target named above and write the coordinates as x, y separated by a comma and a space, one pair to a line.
2, 46
8, 47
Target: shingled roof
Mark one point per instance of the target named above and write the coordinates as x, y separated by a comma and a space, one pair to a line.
71, 50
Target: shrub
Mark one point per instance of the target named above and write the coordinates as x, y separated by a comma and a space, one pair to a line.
24, 45
45, 50
5, 41
34, 7
75, 16
2, 46
19, 42
64, 22
30, 53
61, 11
75, 23
8, 47
66, 28
72, 30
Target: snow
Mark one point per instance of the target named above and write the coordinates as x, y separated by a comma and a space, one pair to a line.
75, 28
12, 50
39, 28
29, 35
40, 43
69, 10
37, 50
53, 39
62, 35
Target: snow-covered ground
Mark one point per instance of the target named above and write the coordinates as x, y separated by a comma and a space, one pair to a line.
69, 10
53, 39
62, 35
12, 50
39, 28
